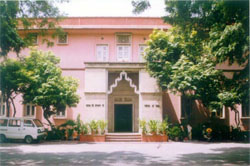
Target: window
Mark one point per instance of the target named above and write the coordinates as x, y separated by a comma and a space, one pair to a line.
123, 50
28, 123
245, 110
63, 39
2, 106
221, 113
30, 110
186, 106
3, 122
34, 38
61, 113
102, 53
14, 123
141, 52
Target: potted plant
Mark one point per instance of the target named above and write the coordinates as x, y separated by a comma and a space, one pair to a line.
102, 125
163, 127
93, 125
143, 126
153, 125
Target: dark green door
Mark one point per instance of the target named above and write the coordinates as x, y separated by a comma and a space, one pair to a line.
123, 117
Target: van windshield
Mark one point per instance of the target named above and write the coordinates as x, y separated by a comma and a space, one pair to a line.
38, 123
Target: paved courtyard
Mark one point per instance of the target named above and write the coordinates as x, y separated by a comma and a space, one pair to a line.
129, 154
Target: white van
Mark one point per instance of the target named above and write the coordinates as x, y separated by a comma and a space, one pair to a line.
21, 128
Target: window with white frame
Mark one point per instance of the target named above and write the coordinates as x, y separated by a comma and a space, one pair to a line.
61, 113
186, 106
221, 113
142, 48
30, 110
245, 112
2, 106
123, 47
63, 39
102, 52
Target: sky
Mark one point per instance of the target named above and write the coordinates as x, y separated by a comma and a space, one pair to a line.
109, 8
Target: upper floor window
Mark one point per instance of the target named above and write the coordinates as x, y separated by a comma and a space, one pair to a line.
123, 47
29, 110
142, 48
2, 106
34, 38
102, 52
186, 106
245, 113
63, 39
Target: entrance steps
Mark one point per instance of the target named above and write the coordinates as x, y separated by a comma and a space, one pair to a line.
123, 137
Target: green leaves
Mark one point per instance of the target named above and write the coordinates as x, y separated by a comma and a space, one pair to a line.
204, 33
48, 88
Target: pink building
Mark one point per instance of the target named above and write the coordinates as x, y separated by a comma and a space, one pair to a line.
105, 55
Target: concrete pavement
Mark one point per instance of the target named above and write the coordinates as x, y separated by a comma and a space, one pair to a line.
121, 154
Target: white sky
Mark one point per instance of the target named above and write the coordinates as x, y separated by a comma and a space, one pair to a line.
109, 8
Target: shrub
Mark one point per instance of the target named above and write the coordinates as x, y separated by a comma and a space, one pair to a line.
93, 125
143, 126
56, 134
102, 125
175, 132
153, 126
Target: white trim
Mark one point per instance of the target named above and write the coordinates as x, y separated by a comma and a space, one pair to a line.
123, 73
2, 105
223, 113
61, 116
241, 113
96, 51
141, 59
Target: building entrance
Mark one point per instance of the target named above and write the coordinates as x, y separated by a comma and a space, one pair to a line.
123, 117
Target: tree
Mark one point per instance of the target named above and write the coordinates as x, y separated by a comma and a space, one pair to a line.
25, 14
47, 87
204, 34
12, 77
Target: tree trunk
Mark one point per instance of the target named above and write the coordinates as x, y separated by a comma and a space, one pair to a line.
8, 107
14, 107
46, 115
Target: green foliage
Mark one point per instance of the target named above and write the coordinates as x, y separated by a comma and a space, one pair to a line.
143, 126
47, 87
17, 14
56, 134
153, 126
93, 125
12, 78
174, 132
102, 125
140, 6
163, 126
204, 33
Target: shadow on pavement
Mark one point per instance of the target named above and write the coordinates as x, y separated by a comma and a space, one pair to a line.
231, 156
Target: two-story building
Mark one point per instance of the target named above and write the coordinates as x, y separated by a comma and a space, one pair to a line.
106, 55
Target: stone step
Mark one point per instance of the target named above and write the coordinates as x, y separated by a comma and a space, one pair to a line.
123, 140
123, 137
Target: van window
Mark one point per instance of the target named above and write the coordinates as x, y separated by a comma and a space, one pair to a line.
3, 122
28, 123
14, 123
38, 123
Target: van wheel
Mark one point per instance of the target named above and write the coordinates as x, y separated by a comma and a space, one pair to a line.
2, 138
28, 139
